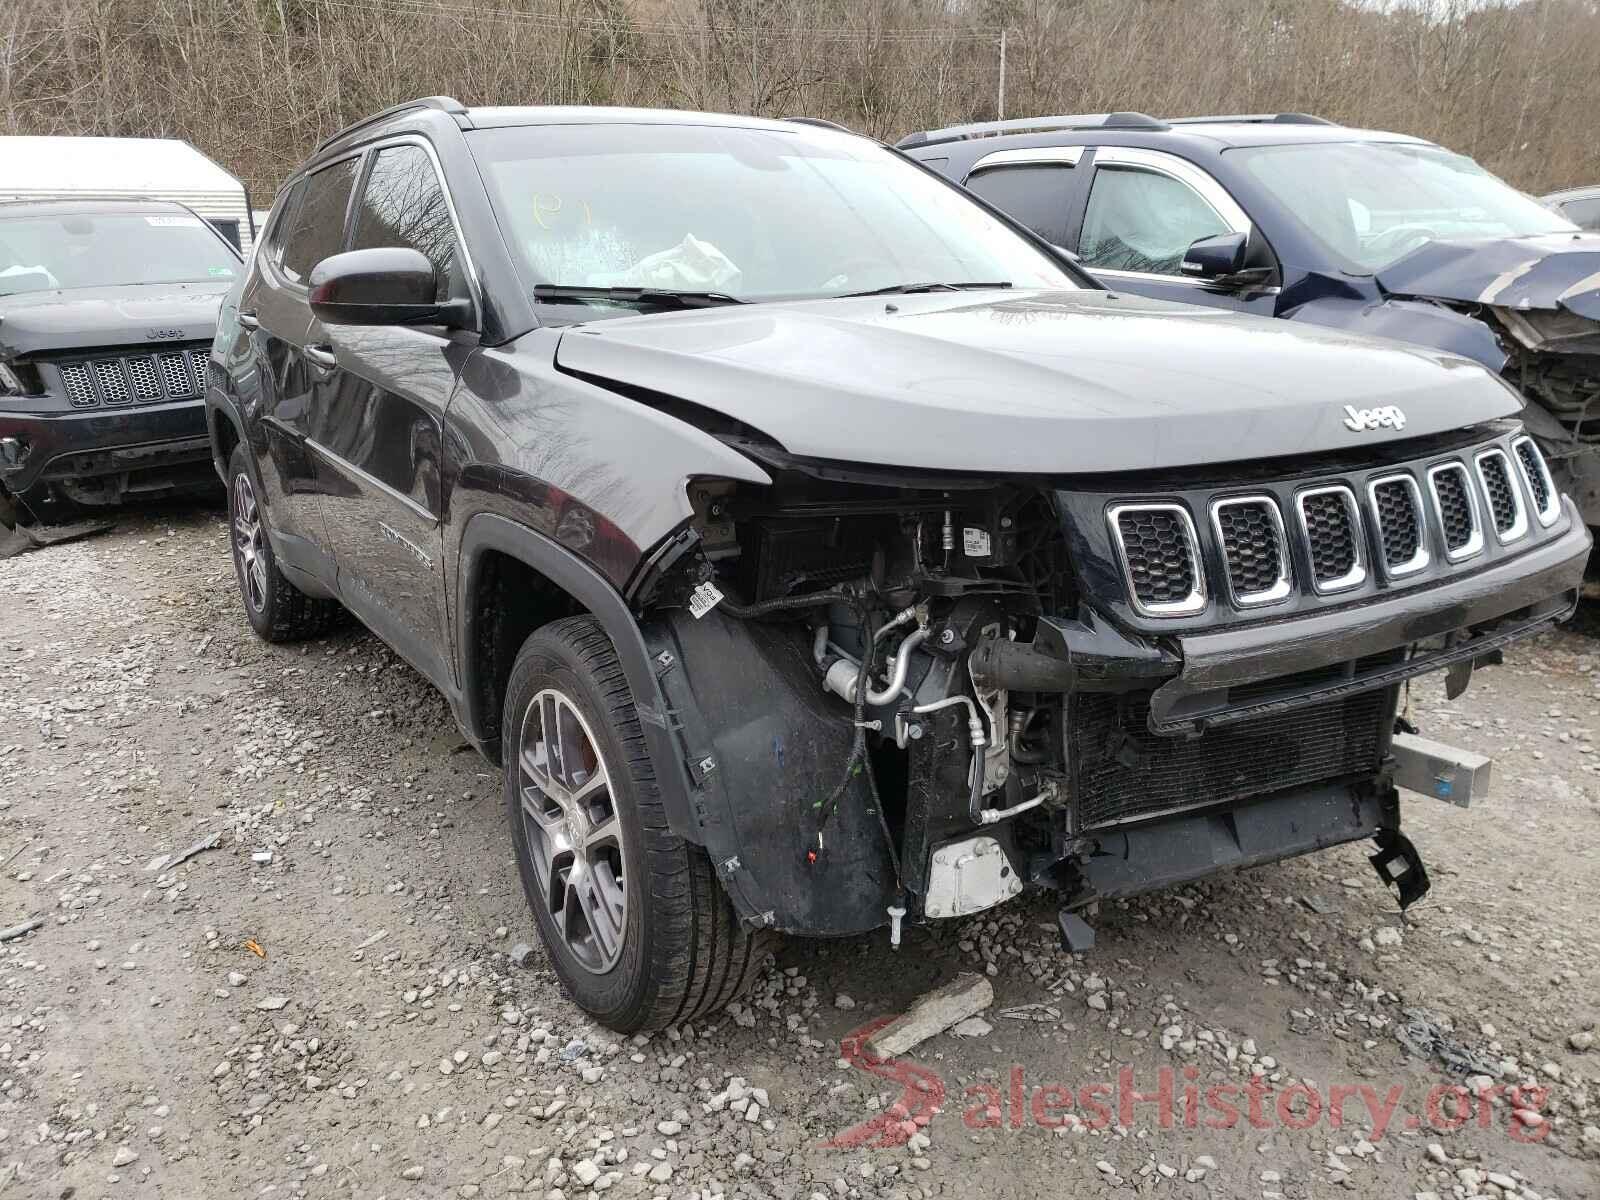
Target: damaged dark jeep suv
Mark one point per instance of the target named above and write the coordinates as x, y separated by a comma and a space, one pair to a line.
107, 308
819, 550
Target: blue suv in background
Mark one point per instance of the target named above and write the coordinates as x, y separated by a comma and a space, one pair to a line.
1289, 215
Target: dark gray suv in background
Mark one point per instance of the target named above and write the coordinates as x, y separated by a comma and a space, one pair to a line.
817, 549
107, 313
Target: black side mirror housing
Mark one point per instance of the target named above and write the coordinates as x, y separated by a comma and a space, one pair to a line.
385, 285
1216, 257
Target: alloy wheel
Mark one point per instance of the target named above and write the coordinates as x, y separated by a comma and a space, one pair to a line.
248, 543
575, 837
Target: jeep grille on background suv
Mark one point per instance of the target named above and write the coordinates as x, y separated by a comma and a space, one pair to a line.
112, 381
1399, 518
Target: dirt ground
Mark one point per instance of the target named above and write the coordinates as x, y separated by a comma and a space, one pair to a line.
325, 1004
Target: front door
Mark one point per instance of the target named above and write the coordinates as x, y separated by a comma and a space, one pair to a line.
379, 421
1145, 209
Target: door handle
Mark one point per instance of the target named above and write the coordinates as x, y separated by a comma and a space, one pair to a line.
321, 356
249, 320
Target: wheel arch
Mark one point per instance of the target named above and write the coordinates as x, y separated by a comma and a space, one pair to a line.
511, 580
226, 431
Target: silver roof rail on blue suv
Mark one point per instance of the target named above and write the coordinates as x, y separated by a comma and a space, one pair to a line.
957, 133
1283, 118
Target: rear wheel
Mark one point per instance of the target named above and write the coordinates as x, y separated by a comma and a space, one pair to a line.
638, 930
276, 609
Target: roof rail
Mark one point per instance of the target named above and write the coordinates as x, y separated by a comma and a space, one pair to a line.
957, 133
445, 104
820, 123
1283, 118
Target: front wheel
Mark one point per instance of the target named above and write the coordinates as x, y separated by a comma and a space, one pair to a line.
276, 609
638, 930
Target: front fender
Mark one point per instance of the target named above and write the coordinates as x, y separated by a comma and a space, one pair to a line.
584, 583
1417, 321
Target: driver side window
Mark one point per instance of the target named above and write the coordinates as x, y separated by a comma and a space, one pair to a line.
1142, 220
403, 204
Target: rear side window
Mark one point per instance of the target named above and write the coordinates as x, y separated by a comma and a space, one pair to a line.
278, 228
1143, 221
1583, 213
403, 204
1036, 194
314, 225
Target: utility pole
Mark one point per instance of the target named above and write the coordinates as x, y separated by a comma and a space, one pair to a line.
1000, 104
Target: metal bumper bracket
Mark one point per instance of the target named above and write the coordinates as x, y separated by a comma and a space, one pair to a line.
1443, 772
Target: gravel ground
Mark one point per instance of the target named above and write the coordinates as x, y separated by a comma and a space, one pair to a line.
324, 1003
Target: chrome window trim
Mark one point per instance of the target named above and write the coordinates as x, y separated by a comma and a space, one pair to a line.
1421, 558
1475, 542
1519, 527
1280, 590
1547, 515
1192, 604
1357, 574
1030, 156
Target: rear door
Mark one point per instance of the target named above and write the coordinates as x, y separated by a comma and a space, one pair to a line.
274, 305
1145, 208
379, 417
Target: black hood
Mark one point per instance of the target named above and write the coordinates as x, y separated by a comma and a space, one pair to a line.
1037, 382
1551, 271
77, 318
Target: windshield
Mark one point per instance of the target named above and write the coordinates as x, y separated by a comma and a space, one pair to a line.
1374, 202
95, 250
753, 214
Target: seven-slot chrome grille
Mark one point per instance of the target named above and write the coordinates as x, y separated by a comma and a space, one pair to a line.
1297, 542
111, 381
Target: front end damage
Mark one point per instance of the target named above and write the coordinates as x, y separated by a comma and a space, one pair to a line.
901, 697
1541, 298
1554, 360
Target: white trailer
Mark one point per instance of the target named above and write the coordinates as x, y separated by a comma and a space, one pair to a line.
34, 168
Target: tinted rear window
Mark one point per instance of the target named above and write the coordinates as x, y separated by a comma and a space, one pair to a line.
314, 228
1036, 195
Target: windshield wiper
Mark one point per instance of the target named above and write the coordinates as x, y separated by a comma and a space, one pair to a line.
906, 289
555, 293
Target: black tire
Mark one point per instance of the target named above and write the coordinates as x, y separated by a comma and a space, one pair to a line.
276, 609
683, 952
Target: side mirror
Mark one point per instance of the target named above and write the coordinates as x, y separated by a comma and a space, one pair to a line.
388, 285
1216, 257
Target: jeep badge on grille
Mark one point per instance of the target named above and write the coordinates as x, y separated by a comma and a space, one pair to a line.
1387, 416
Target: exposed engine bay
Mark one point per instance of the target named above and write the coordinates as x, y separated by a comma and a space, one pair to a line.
913, 611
